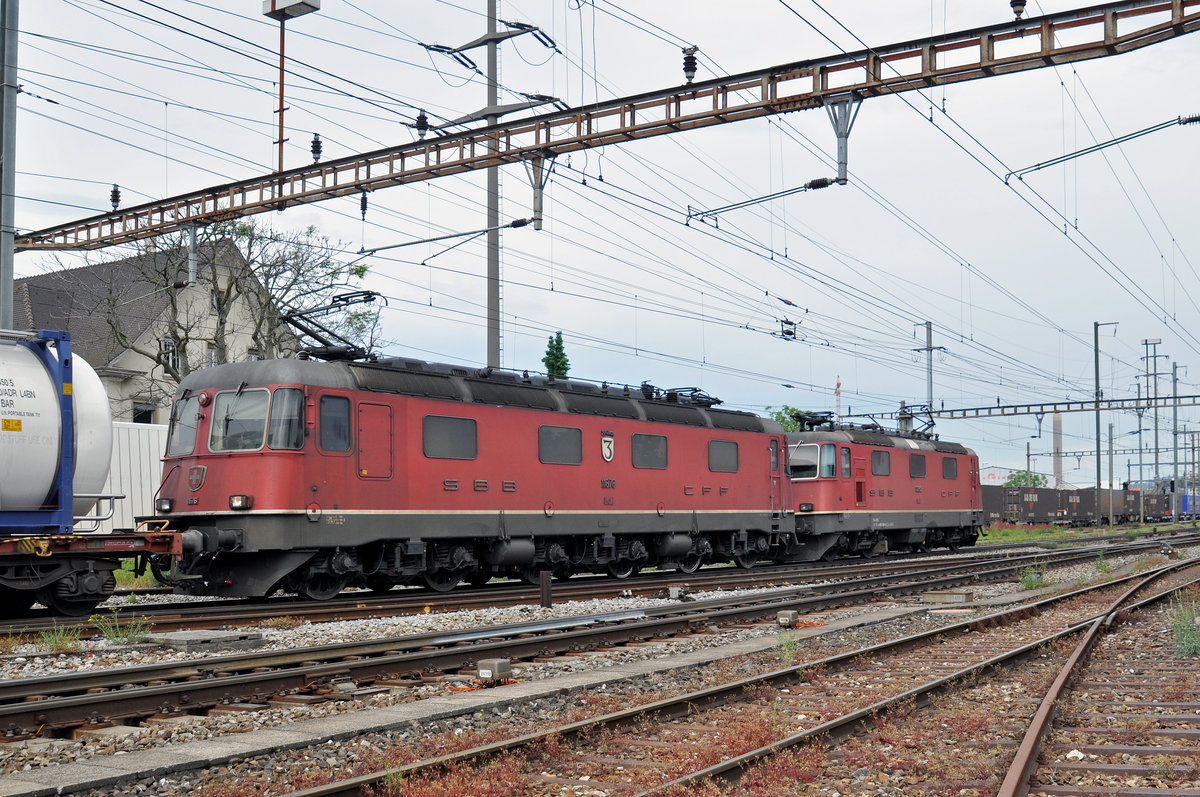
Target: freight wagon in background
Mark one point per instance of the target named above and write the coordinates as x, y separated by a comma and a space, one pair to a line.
1076, 507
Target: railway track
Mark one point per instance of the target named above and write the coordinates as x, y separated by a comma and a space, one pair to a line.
357, 605
62, 704
777, 727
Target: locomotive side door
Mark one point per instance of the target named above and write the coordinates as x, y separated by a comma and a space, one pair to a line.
374, 441
776, 477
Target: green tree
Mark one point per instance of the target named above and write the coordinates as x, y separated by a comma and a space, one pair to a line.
783, 416
1020, 478
556, 362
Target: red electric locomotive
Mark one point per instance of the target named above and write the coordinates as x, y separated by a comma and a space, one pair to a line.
860, 490
312, 476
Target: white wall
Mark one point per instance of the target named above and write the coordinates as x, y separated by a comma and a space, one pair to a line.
135, 472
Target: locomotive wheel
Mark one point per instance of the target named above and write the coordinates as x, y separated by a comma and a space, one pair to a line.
67, 606
442, 580
746, 560
622, 568
323, 586
690, 563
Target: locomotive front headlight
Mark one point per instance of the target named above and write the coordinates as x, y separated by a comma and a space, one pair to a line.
164, 505
241, 501
804, 508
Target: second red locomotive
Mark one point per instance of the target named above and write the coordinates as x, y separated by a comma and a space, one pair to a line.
313, 476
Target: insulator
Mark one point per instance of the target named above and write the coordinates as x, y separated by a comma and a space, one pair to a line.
362, 205
820, 182
316, 147
422, 123
114, 196
689, 62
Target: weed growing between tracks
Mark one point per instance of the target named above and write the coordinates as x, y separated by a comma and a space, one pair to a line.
61, 639
1185, 622
135, 629
9, 644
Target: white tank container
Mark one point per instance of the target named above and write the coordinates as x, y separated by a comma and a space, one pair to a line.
31, 430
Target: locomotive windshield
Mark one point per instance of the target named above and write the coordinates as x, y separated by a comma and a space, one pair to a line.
239, 420
184, 417
802, 462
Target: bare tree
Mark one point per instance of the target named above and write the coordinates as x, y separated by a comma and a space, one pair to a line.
225, 306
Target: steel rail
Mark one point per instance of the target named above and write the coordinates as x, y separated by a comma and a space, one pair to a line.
354, 605
688, 704
843, 727
255, 677
1016, 780
61, 685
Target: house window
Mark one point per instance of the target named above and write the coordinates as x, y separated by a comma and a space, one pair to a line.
170, 354
210, 358
253, 354
143, 412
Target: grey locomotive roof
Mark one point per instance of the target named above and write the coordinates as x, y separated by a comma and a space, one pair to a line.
877, 438
479, 386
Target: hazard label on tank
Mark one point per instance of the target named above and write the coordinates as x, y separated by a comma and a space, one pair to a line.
10, 424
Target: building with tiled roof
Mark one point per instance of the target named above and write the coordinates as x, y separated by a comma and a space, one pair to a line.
142, 324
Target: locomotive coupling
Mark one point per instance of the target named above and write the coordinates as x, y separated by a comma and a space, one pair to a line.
210, 540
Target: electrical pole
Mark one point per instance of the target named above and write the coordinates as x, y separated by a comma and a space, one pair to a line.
1174, 441
8, 158
1112, 510
1148, 342
1096, 353
929, 349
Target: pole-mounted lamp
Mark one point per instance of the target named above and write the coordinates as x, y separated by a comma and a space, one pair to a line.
283, 10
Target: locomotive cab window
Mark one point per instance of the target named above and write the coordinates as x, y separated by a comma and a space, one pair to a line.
286, 427
239, 420
881, 463
949, 468
560, 445
723, 456
916, 466
184, 416
649, 451
449, 438
846, 468
802, 462
828, 461
333, 434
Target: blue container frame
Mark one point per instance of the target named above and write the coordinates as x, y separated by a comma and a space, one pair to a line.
58, 515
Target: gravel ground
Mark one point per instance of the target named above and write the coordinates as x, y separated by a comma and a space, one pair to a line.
26, 756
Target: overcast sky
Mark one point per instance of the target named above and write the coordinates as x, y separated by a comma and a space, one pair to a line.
170, 96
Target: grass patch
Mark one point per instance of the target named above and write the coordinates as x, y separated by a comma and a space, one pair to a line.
1185, 624
1016, 532
1033, 578
134, 629
128, 579
61, 639
1102, 564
